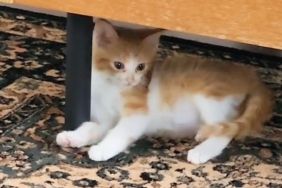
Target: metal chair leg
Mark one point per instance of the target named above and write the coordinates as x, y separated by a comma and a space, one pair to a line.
78, 73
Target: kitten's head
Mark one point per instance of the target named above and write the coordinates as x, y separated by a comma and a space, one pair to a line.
124, 56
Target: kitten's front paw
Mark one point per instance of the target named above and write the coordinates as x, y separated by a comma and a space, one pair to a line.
62, 139
197, 156
70, 139
98, 153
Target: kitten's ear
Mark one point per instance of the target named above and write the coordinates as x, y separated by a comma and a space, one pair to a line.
104, 33
152, 40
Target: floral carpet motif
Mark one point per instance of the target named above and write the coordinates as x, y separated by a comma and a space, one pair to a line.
32, 75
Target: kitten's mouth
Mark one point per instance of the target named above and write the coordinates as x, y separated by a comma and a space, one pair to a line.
128, 85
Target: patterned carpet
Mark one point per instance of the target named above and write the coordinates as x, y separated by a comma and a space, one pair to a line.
32, 71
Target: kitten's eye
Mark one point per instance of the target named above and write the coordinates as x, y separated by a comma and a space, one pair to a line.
119, 65
140, 67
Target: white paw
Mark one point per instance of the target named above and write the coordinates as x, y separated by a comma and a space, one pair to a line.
62, 139
70, 139
99, 153
197, 156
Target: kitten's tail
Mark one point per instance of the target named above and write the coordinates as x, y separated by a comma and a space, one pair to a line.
257, 109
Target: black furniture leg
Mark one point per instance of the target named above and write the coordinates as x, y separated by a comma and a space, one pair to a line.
78, 73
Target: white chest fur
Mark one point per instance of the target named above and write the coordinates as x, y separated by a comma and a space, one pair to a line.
105, 99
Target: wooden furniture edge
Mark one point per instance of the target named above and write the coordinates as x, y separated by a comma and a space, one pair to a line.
252, 22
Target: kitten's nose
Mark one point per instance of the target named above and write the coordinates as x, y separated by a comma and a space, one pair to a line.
130, 79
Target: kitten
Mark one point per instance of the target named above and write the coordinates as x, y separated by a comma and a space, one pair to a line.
184, 96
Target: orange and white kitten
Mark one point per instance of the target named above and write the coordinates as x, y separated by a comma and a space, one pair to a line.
133, 96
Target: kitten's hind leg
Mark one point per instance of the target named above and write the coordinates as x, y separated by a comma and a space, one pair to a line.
214, 113
208, 149
88, 133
